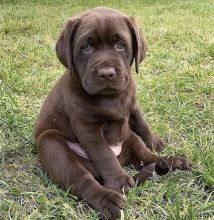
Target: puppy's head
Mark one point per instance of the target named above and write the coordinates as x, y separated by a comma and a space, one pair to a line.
100, 45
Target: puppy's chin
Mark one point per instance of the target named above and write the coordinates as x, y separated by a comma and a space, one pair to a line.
106, 91
109, 91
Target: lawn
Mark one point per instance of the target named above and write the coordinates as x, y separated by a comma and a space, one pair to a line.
175, 91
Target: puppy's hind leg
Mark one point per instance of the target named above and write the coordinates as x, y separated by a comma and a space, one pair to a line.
141, 157
64, 167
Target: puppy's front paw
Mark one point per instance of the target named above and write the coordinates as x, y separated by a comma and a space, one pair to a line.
110, 204
119, 183
167, 164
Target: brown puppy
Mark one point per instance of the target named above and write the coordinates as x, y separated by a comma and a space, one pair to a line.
90, 124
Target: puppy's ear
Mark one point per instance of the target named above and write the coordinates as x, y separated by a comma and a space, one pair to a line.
138, 42
64, 44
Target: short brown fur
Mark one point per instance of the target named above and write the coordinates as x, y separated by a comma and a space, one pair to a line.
94, 104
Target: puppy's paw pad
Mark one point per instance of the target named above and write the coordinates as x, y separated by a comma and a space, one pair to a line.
185, 164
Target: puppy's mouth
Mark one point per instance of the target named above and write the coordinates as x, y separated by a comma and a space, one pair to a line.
109, 91
107, 88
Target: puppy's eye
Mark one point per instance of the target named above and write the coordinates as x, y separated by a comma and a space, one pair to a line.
87, 48
120, 46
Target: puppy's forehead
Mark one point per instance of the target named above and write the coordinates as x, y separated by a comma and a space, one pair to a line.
103, 26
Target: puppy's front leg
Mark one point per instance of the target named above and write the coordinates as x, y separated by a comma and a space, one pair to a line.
141, 128
105, 162
66, 169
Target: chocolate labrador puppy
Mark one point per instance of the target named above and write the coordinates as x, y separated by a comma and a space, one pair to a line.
90, 125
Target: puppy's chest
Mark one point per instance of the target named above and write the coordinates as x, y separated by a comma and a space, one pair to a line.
114, 132
115, 123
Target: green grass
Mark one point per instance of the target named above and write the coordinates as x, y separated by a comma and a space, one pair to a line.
175, 90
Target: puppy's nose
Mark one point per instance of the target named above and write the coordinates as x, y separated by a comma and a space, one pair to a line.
106, 73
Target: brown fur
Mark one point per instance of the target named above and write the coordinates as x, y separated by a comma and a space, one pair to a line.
94, 104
